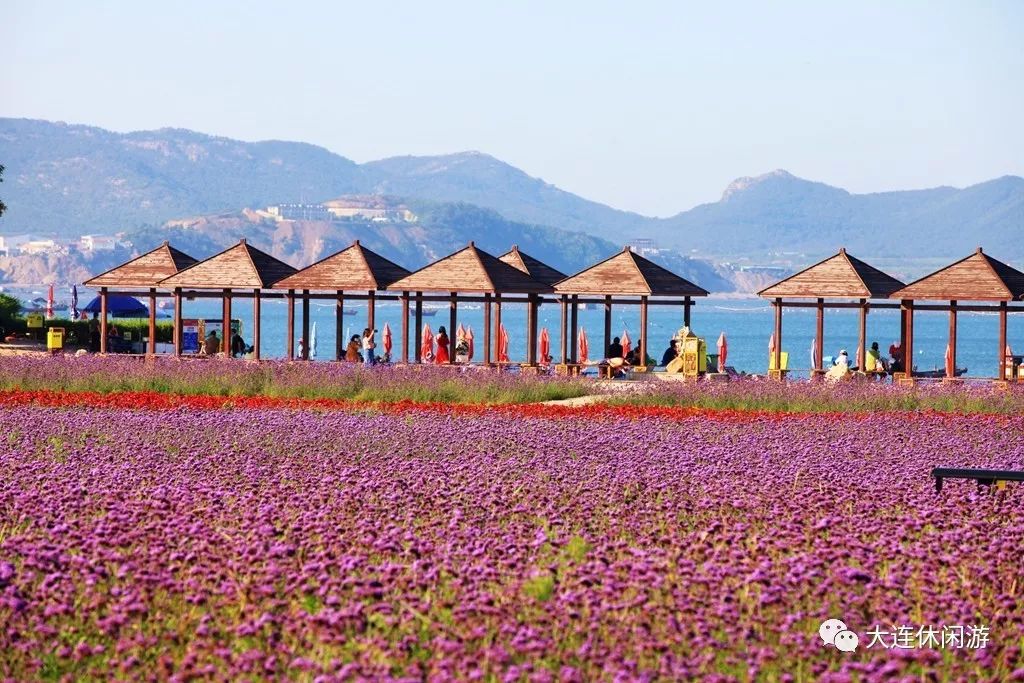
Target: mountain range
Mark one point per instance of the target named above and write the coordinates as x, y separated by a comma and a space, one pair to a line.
71, 179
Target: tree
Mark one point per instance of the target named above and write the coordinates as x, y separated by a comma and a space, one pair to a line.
10, 308
3, 207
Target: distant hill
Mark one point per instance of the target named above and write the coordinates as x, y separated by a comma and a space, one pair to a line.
69, 179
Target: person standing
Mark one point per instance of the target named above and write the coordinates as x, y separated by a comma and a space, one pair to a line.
352, 354
369, 344
442, 357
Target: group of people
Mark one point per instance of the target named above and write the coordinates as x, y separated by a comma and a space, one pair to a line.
363, 348
873, 362
211, 345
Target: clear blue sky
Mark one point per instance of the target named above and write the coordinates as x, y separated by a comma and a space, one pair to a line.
647, 106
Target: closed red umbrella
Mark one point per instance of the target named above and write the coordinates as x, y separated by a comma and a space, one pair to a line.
950, 370
627, 345
723, 351
469, 343
502, 344
427, 347
387, 338
544, 344
582, 346
771, 350
49, 303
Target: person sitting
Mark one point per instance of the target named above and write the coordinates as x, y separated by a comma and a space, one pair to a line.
238, 347
352, 354
615, 349
671, 353
212, 343
840, 369
896, 356
875, 363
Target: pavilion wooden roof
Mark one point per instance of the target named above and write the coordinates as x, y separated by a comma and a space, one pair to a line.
629, 274
354, 267
239, 267
979, 277
840, 277
470, 270
538, 270
146, 270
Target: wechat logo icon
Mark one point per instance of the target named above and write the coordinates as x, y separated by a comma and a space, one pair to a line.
834, 632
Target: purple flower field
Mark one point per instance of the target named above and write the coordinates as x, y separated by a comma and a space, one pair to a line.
284, 544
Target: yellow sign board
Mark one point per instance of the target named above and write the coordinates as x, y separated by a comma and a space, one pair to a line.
35, 321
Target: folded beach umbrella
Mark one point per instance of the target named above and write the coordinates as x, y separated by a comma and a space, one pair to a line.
544, 343
312, 341
387, 338
49, 303
860, 358
469, 343
502, 344
460, 334
627, 345
427, 346
814, 352
950, 370
582, 346
723, 351
74, 302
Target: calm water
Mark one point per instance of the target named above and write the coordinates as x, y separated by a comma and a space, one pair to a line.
747, 324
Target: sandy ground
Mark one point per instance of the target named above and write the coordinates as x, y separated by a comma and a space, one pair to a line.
21, 349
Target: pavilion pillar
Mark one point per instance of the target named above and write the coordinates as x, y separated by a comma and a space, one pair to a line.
862, 334
151, 347
453, 318
103, 319
418, 333
1002, 340
777, 304
819, 336
687, 304
643, 331
497, 328
305, 324
405, 328
339, 318
951, 372
487, 328
371, 310
257, 313
290, 296
531, 329
908, 349
607, 325
574, 317
565, 325
225, 342
177, 321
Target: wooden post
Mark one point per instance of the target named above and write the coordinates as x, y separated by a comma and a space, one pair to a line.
819, 336
257, 313
908, 350
290, 297
574, 322
103, 319
305, 324
951, 372
151, 347
339, 328
607, 325
177, 321
565, 331
531, 329
862, 334
418, 334
497, 328
371, 310
687, 303
778, 335
487, 328
453, 319
405, 328
1002, 340
643, 331
225, 342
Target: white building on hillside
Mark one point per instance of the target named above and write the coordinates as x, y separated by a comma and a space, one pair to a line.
98, 242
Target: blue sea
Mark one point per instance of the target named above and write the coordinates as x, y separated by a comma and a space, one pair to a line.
747, 324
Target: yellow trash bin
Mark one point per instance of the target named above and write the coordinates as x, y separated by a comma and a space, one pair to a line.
55, 338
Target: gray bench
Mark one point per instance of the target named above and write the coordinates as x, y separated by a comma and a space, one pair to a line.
983, 477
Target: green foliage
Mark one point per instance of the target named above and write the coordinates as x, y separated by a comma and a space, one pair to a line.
10, 308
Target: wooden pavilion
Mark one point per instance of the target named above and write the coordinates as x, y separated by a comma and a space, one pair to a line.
484, 278
838, 277
147, 270
626, 274
978, 277
353, 268
241, 267
538, 270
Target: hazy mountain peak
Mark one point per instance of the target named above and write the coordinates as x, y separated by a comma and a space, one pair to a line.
746, 182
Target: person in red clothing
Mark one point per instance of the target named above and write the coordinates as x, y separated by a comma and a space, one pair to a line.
442, 346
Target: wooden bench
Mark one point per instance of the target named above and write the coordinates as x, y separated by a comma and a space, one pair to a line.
983, 477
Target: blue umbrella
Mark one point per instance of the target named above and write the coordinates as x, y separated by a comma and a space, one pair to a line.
74, 302
119, 307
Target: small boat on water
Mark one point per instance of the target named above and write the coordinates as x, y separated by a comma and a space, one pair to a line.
938, 374
427, 312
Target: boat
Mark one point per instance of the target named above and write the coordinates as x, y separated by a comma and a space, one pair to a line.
938, 374
426, 312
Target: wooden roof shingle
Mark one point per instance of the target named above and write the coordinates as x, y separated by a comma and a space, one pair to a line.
354, 267
146, 270
239, 267
979, 277
839, 277
628, 274
538, 270
470, 269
